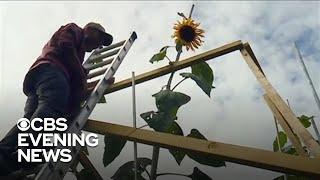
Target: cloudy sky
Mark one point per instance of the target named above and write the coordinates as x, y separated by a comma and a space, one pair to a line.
236, 112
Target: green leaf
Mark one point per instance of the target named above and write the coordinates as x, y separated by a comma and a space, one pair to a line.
102, 100
282, 139
179, 45
289, 150
176, 129
199, 175
126, 171
202, 74
159, 56
112, 149
194, 133
206, 160
305, 120
159, 121
170, 101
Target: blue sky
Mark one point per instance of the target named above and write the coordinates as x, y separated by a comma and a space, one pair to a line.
235, 114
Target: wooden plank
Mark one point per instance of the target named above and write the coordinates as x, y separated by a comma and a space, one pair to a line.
255, 60
294, 140
285, 111
86, 163
233, 153
237, 45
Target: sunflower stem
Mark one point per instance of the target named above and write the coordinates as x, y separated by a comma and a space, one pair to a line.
146, 171
172, 74
168, 59
179, 83
156, 149
154, 163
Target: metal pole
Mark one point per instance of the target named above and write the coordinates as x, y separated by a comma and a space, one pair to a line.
314, 92
278, 141
134, 112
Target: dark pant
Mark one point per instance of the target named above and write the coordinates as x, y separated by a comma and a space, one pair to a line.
48, 92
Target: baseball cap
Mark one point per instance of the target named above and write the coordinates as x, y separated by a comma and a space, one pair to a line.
107, 38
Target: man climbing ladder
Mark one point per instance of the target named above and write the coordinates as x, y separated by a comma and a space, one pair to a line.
55, 84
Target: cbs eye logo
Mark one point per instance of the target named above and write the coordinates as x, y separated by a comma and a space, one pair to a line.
23, 124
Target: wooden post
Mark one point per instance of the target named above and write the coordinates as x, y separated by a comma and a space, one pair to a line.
283, 108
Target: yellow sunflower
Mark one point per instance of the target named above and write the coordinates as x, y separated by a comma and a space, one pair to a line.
188, 33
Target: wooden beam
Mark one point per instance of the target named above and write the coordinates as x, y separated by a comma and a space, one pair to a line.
233, 153
252, 55
228, 48
86, 163
294, 140
285, 111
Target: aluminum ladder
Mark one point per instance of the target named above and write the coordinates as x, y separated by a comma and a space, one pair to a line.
102, 69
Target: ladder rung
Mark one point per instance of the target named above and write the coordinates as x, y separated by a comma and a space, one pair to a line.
110, 47
102, 56
97, 73
100, 64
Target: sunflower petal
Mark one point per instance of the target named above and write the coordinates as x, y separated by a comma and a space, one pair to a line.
195, 45
191, 48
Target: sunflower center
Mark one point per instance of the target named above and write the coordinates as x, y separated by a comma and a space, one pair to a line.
187, 33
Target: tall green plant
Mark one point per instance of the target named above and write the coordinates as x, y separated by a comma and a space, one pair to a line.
168, 102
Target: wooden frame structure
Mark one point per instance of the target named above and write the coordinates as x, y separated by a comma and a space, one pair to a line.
304, 164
